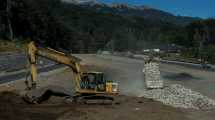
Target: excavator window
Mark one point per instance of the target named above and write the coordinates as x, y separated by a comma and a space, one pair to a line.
93, 81
101, 82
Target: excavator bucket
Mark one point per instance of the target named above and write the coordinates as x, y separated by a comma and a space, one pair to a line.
36, 96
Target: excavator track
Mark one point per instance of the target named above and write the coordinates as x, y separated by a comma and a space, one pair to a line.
93, 99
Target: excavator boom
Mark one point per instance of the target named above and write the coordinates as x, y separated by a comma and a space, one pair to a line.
51, 54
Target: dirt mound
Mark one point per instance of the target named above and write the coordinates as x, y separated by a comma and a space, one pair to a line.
128, 108
10, 98
12, 107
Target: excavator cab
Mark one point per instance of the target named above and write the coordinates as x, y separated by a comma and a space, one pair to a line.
95, 81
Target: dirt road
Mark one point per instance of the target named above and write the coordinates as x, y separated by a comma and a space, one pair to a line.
128, 72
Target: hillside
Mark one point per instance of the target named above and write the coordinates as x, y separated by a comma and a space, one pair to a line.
58, 24
143, 11
89, 27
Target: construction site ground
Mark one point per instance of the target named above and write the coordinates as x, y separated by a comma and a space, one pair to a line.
128, 73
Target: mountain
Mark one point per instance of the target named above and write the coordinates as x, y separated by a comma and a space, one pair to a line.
144, 11
82, 2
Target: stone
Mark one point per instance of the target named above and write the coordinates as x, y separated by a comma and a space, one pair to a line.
178, 96
152, 75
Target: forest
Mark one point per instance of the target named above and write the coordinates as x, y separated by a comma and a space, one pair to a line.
63, 25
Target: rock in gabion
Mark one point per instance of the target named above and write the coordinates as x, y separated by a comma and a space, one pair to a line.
179, 96
152, 75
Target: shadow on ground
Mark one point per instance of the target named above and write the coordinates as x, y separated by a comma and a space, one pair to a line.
180, 76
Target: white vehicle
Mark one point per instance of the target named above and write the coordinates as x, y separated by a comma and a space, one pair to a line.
106, 52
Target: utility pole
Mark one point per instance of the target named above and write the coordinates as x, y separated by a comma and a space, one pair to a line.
5, 18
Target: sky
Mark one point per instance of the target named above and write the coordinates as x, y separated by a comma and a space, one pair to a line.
194, 8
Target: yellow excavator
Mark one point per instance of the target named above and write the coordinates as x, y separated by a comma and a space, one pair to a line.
88, 85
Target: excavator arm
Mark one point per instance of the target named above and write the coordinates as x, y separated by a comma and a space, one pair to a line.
68, 60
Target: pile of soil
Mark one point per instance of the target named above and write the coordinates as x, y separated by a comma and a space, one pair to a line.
12, 107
